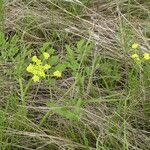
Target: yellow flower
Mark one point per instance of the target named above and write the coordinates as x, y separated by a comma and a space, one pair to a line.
146, 56
38, 69
57, 74
134, 45
41, 73
36, 78
45, 67
36, 60
30, 68
135, 57
39, 62
46, 55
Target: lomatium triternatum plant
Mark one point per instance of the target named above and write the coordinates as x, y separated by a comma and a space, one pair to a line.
39, 68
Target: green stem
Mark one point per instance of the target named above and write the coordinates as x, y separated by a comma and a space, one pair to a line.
44, 118
23, 94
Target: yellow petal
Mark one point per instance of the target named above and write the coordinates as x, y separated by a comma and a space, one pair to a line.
36, 78
46, 55
135, 56
36, 60
41, 74
30, 68
46, 67
146, 56
57, 74
134, 46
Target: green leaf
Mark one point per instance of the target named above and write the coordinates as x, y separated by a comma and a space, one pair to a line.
78, 106
14, 41
61, 67
45, 46
53, 60
50, 51
66, 113
88, 70
80, 46
63, 111
70, 53
73, 65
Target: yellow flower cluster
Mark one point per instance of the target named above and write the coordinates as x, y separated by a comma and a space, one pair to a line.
135, 57
146, 56
36, 60
46, 55
134, 45
57, 74
38, 69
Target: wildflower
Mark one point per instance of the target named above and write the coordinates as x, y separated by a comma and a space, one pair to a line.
39, 62
146, 56
36, 60
46, 67
41, 74
46, 55
30, 68
38, 68
135, 57
37, 71
57, 73
134, 46
36, 78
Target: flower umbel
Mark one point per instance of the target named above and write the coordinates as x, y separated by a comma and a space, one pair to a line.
146, 56
30, 68
36, 78
46, 55
57, 73
37, 69
135, 57
36, 60
46, 66
134, 45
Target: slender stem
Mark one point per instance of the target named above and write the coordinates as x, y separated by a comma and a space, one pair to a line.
23, 94
44, 118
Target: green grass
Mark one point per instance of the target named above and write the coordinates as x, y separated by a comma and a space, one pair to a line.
102, 100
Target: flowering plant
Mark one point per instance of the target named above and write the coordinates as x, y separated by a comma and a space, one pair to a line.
38, 68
